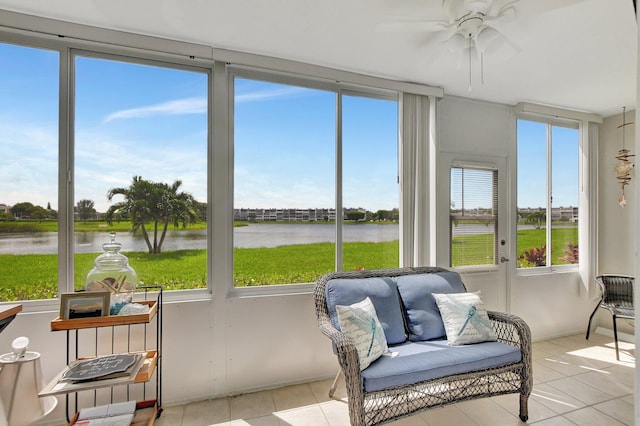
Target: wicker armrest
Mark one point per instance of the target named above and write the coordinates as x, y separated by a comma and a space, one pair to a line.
345, 348
511, 329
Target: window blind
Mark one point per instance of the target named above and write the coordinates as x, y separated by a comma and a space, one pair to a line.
473, 216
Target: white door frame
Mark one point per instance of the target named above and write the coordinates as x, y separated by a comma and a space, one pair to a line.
491, 280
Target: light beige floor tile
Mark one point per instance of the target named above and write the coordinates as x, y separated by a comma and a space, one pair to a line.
206, 412
555, 399
251, 405
587, 359
336, 412
486, 412
544, 349
575, 382
294, 396
537, 411
542, 373
630, 399
556, 421
618, 409
562, 365
447, 416
623, 374
320, 390
270, 420
171, 416
589, 416
413, 420
606, 382
306, 416
580, 391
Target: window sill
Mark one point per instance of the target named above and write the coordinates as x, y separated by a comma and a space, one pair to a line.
476, 269
527, 272
271, 290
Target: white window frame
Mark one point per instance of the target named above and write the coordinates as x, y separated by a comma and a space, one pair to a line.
338, 89
587, 125
64, 37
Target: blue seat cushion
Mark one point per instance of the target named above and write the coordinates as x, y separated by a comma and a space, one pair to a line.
383, 293
418, 361
422, 314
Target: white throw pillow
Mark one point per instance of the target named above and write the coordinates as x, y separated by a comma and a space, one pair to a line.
465, 318
360, 322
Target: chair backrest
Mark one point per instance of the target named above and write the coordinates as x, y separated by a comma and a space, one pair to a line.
617, 290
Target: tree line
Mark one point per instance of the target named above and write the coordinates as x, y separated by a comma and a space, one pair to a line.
150, 207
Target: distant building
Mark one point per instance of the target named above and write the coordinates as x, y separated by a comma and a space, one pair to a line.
558, 214
5, 208
284, 215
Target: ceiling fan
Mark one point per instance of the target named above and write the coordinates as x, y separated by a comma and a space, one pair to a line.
471, 28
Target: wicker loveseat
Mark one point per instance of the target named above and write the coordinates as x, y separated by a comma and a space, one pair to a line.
419, 373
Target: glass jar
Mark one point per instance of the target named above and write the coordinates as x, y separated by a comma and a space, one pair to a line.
113, 273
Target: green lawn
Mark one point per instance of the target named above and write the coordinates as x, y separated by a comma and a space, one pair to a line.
184, 269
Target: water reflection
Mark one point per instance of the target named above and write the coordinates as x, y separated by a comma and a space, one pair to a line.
254, 235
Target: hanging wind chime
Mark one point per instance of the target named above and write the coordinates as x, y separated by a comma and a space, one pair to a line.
624, 166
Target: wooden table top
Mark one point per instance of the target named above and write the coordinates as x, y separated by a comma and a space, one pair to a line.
7, 311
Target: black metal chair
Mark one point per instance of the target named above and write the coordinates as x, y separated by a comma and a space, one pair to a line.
617, 298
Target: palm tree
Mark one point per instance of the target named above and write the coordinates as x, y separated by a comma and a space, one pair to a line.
536, 219
151, 202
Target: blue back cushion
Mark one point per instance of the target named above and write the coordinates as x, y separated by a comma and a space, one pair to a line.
382, 291
423, 317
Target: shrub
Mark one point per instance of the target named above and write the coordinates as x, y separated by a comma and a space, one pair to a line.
535, 256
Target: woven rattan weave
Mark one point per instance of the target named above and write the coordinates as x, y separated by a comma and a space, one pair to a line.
372, 408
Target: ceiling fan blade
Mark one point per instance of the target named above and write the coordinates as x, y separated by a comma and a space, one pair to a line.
492, 42
405, 26
479, 6
501, 7
455, 43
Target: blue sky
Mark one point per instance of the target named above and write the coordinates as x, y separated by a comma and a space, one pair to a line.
151, 121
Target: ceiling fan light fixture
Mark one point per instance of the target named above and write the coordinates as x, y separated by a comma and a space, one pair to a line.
476, 5
471, 24
456, 42
488, 39
507, 14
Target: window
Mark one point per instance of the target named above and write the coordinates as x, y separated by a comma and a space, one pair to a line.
141, 126
29, 173
146, 120
370, 183
290, 227
473, 216
314, 171
548, 193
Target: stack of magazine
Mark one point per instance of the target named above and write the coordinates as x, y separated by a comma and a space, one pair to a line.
101, 371
119, 414
102, 367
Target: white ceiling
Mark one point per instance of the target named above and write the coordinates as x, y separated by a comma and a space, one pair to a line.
577, 54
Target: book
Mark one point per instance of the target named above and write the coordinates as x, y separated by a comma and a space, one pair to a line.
102, 367
117, 414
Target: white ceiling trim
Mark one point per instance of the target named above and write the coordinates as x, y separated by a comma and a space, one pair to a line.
54, 29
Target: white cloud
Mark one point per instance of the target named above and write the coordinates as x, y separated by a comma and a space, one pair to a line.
177, 107
264, 95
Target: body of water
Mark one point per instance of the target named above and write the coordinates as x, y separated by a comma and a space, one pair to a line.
254, 235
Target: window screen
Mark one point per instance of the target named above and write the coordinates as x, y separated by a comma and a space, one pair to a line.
473, 216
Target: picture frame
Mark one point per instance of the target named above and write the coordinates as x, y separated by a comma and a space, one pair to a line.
85, 304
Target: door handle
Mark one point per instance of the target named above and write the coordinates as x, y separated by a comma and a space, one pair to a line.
503, 259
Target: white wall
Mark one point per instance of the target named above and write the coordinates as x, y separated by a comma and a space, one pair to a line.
229, 345
616, 225
552, 304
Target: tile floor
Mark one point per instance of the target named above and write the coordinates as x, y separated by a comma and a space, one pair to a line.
576, 382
